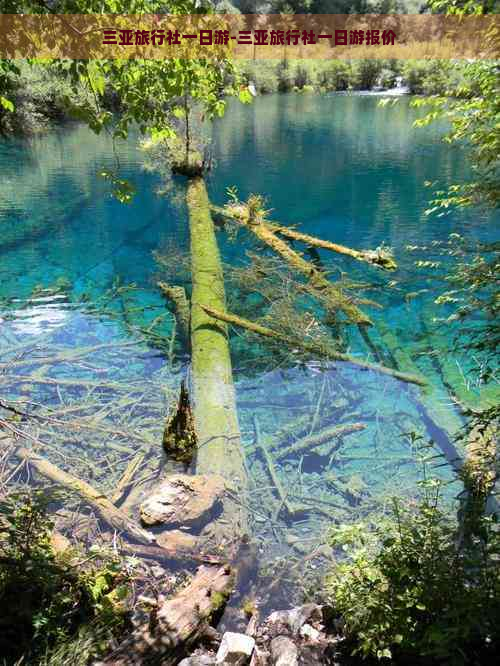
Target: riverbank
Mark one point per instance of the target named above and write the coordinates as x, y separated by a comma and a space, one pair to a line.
41, 100
418, 77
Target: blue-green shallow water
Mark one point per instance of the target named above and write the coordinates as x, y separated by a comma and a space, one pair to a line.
341, 168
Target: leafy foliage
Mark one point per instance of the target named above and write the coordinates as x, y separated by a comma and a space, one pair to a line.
472, 110
420, 593
143, 88
49, 598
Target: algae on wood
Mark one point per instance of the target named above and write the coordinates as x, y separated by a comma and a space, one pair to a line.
332, 296
380, 257
177, 623
214, 403
179, 303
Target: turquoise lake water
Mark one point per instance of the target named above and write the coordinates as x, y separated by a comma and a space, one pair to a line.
337, 166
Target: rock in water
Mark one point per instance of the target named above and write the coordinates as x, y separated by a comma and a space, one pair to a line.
198, 660
181, 500
295, 618
284, 652
177, 541
235, 649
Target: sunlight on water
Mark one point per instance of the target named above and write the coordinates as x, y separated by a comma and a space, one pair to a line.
340, 168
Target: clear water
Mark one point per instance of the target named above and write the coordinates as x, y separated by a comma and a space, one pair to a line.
340, 168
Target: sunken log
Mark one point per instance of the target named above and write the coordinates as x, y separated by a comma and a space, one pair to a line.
105, 509
179, 306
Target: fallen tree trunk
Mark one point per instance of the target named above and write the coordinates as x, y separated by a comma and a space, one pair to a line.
99, 502
214, 404
179, 622
332, 295
312, 348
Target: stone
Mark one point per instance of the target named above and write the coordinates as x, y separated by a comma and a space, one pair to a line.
182, 500
235, 649
178, 541
259, 657
307, 631
295, 618
251, 629
284, 652
198, 660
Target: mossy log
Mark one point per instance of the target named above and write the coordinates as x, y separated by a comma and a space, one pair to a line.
99, 502
179, 304
178, 623
379, 257
333, 297
310, 347
214, 404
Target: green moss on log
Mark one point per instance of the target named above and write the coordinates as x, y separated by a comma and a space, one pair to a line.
214, 403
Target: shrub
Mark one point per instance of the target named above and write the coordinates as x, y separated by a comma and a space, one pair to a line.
419, 593
285, 77
301, 76
48, 599
262, 73
333, 75
431, 77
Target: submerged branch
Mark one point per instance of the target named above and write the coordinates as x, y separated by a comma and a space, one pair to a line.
101, 504
318, 439
180, 307
311, 348
331, 294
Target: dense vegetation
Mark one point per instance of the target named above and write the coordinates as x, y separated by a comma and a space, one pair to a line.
428, 587
60, 606
41, 97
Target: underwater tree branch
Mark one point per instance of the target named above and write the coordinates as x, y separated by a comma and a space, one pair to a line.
312, 348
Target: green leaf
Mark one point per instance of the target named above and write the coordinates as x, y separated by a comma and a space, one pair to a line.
6, 104
245, 96
161, 134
